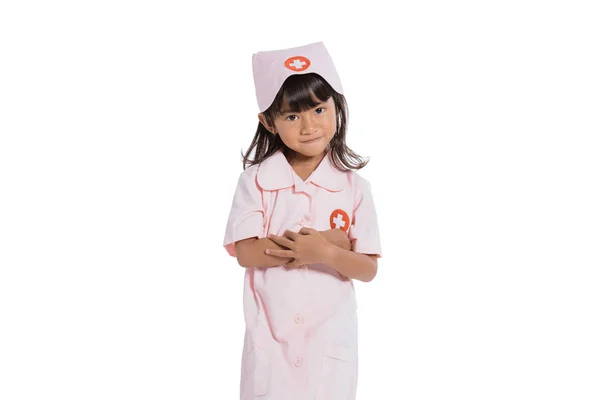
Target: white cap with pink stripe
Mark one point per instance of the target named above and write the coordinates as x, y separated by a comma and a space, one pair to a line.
272, 68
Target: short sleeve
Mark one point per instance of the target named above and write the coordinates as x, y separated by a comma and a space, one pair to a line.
364, 230
246, 218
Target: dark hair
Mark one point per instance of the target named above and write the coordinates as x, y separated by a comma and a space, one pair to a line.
300, 92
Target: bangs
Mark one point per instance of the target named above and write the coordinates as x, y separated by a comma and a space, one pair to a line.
302, 93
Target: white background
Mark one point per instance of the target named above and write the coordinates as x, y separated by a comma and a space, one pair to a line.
122, 124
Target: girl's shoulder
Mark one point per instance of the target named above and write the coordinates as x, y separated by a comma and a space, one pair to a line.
357, 180
360, 186
248, 173
273, 160
252, 170
272, 173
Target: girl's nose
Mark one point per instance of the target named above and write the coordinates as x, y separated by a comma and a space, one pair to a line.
309, 125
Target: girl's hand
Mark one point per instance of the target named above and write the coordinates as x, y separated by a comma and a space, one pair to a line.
338, 237
305, 247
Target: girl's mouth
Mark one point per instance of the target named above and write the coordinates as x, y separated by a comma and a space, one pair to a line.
311, 141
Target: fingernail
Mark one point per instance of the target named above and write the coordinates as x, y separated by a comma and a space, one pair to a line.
267, 251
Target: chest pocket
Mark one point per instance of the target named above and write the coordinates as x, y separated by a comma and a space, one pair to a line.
335, 209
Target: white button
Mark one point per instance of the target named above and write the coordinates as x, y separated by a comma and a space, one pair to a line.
298, 319
302, 221
298, 362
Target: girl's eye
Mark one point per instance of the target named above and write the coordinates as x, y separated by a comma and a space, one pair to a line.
291, 117
320, 110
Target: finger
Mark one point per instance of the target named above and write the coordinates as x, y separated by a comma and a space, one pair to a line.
282, 240
293, 264
306, 231
291, 234
280, 253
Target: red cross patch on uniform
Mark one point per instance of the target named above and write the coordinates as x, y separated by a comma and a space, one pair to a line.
297, 63
339, 220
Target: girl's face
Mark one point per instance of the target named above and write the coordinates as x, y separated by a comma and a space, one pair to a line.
306, 132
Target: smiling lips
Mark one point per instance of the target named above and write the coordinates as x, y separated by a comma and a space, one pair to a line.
311, 141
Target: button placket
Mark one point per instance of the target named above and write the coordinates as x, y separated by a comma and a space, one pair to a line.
298, 349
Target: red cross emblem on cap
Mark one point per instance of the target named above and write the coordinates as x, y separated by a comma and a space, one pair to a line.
297, 63
339, 220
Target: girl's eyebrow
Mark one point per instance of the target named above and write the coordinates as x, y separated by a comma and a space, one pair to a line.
286, 111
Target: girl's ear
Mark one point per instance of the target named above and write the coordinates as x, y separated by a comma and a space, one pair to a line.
263, 120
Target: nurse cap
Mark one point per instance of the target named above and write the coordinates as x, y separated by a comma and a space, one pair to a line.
272, 68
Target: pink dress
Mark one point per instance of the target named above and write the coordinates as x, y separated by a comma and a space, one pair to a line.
301, 324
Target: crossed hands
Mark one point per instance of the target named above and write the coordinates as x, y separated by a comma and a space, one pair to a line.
308, 246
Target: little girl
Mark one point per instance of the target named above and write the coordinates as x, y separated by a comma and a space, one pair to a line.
303, 225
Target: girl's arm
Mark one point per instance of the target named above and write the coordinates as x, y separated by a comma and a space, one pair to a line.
251, 252
308, 246
351, 264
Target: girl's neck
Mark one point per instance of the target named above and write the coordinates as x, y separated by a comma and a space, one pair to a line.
303, 165
302, 161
